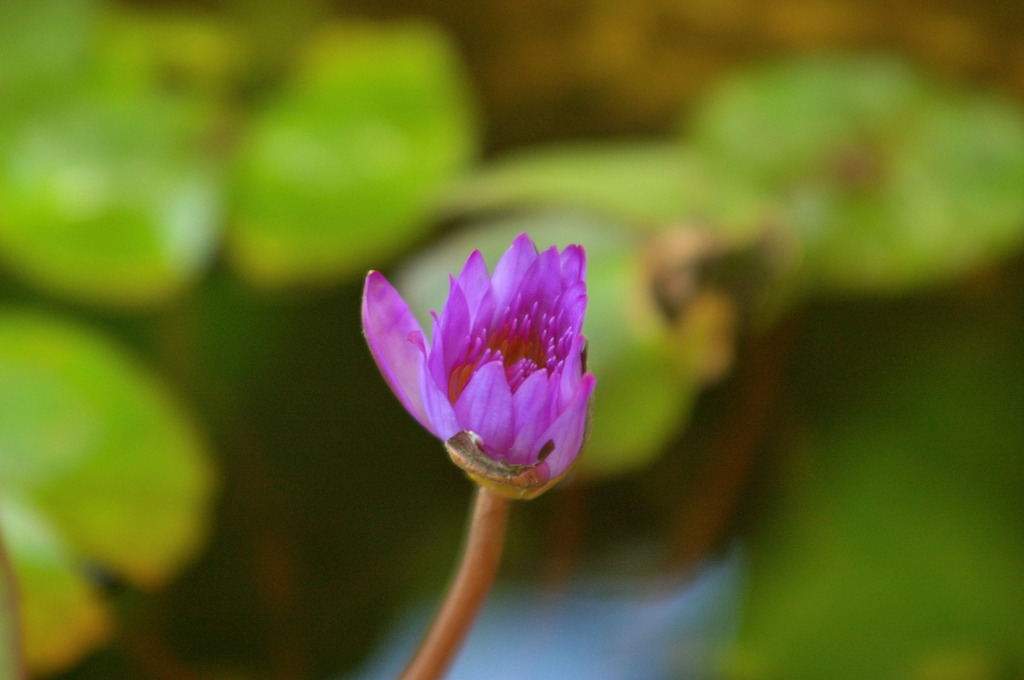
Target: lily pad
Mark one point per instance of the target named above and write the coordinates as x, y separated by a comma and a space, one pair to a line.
62, 616
43, 46
642, 183
890, 181
98, 465
107, 194
348, 163
106, 201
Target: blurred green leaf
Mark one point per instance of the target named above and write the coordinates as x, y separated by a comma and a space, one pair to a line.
186, 54
890, 555
62, 615
106, 201
778, 124
97, 464
345, 166
106, 192
43, 47
890, 182
642, 183
277, 29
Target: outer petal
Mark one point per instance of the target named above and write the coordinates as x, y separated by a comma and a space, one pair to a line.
452, 334
568, 429
388, 325
532, 405
485, 407
511, 268
435, 357
474, 281
573, 261
440, 413
573, 305
568, 379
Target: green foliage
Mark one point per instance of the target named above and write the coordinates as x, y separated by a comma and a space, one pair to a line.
642, 183
62, 615
110, 188
32, 69
890, 182
342, 166
99, 464
105, 191
115, 131
106, 201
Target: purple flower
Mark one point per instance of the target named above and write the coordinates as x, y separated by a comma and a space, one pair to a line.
503, 380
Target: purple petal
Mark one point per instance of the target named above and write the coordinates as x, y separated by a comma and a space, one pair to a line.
573, 305
532, 405
485, 407
542, 281
483, 317
454, 328
435, 357
511, 268
440, 414
572, 372
568, 429
573, 261
474, 281
389, 326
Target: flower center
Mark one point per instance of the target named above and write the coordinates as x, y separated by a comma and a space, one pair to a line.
523, 343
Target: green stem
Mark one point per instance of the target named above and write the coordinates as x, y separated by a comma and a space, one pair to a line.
481, 555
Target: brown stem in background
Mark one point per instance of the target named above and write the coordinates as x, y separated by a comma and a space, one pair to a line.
481, 555
566, 534
713, 497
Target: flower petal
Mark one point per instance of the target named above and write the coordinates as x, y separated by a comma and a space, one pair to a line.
568, 429
440, 414
571, 373
485, 408
573, 265
388, 325
509, 272
542, 282
532, 404
452, 334
474, 281
572, 305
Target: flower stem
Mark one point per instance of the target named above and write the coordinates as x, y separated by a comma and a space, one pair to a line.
481, 555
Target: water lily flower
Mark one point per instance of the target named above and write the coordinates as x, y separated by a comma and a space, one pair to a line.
503, 378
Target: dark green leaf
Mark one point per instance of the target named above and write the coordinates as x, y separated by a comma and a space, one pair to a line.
893, 553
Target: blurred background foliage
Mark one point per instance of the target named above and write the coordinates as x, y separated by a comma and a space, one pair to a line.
804, 222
